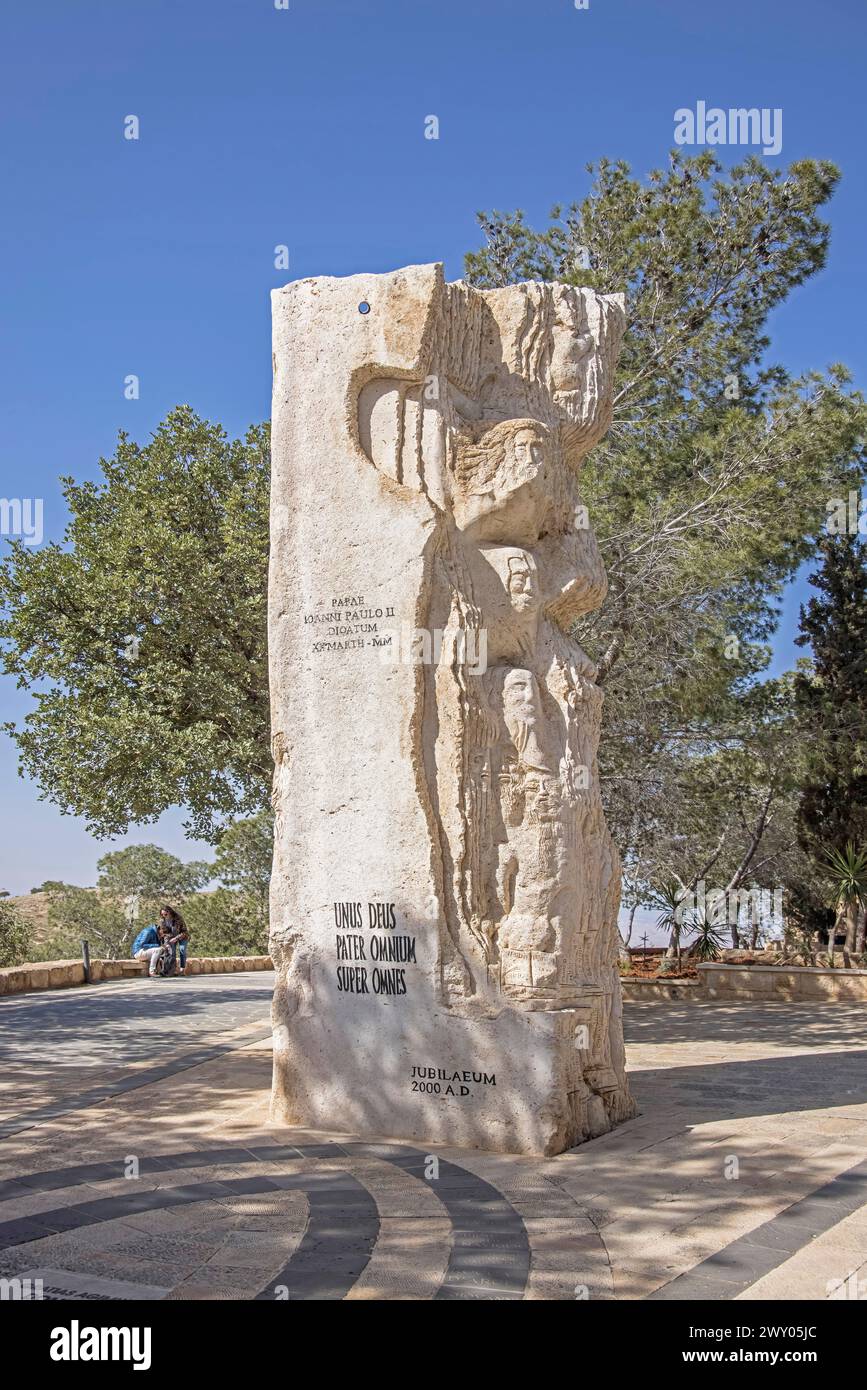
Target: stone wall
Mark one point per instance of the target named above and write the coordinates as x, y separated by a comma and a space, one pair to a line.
64, 974
717, 980
775, 982
634, 989
220, 965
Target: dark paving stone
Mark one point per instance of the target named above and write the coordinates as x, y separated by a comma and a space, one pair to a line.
692, 1289
248, 1186
348, 1252
276, 1153
746, 1260
484, 1291
23, 1230
490, 1256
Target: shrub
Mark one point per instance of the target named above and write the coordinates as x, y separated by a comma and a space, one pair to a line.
226, 923
15, 936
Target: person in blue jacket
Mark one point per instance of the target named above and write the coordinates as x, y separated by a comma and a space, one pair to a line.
164, 947
147, 946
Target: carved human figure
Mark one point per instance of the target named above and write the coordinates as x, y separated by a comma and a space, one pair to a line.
524, 746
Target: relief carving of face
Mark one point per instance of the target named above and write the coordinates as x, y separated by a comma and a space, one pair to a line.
523, 588
528, 453
503, 482
573, 342
544, 798
524, 719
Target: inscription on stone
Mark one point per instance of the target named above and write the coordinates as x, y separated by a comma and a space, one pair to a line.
439, 1081
348, 624
372, 954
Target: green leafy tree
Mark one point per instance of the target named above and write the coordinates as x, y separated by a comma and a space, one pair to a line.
244, 855
16, 937
83, 914
150, 873
717, 807
227, 923
848, 869
133, 883
234, 919
142, 638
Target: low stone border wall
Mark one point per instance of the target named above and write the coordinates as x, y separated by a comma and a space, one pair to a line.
717, 980
661, 989
63, 974
220, 965
782, 982
49, 974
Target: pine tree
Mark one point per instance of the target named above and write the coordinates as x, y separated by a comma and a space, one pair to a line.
831, 700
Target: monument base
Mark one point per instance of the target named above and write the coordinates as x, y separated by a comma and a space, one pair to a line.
516, 1082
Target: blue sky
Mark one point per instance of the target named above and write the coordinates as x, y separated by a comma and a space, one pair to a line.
305, 127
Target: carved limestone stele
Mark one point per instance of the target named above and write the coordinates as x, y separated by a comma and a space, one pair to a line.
445, 890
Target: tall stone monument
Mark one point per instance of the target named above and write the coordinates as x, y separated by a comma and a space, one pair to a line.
445, 890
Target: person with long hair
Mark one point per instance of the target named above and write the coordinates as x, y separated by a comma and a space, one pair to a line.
173, 937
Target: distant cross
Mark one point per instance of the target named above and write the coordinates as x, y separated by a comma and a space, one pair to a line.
644, 944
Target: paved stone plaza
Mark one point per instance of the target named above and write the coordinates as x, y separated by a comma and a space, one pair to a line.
743, 1176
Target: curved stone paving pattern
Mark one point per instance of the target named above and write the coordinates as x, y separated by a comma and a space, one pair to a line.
489, 1255
644, 1212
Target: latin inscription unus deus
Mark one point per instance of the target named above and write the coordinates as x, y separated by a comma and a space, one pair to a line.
372, 954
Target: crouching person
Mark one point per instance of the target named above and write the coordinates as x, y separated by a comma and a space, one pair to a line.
148, 946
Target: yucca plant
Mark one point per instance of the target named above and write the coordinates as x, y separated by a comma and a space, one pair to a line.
848, 869
709, 940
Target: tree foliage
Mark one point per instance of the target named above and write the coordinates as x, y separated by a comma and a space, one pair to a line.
244, 854
84, 914
142, 638
146, 871
16, 937
227, 923
831, 697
